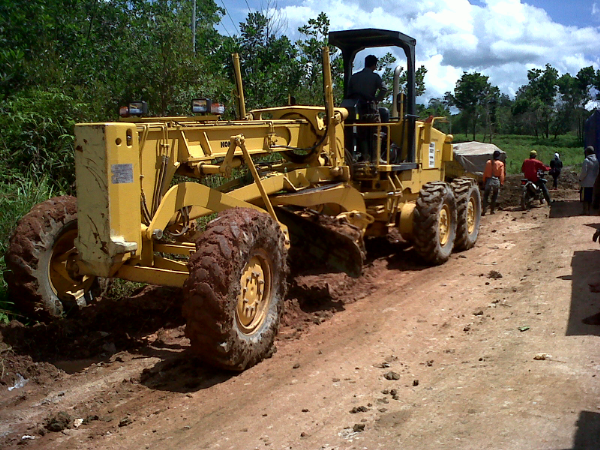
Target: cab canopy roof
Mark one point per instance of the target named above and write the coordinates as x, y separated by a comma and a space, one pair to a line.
350, 42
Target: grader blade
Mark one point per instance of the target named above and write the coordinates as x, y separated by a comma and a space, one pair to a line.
323, 241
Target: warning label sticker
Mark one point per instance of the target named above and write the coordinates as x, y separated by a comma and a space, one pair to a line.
121, 173
432, 154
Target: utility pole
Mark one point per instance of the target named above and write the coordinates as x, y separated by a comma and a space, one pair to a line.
194, 26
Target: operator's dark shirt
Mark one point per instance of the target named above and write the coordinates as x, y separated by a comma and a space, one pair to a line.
367, 83
530, 168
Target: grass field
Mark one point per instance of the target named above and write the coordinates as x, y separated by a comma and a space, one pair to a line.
517, 149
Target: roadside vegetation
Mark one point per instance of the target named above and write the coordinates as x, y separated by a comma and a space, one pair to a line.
60, 65
517, 148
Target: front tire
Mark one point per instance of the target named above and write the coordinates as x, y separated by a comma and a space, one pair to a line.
233, 298
434, 223
468, 212
40, 253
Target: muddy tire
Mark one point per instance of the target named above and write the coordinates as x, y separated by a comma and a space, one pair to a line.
39, 251
234, 296
434, 223
468, 212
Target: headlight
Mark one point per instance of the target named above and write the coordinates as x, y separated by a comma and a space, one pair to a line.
201, 106
134, 109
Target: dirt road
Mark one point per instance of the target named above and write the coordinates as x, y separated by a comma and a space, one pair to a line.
496, 349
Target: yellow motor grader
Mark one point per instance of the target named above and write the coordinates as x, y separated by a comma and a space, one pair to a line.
277, 179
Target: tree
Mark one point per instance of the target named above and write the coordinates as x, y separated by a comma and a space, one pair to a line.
268, 62
537, 99
475, 97
574, 94
310, 57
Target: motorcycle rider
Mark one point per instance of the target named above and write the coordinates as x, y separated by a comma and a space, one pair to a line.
589, 172
493, 178
530, 169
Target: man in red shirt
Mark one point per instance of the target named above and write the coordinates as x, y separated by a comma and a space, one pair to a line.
530, 169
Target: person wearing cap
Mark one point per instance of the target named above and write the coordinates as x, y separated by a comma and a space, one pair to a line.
555, 169
493, 178
530, 169
587, 178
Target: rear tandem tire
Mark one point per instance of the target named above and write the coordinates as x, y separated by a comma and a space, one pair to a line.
39, 252
434, 223
468, 212
234, 296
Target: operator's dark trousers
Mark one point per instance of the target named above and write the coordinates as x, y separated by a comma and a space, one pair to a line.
555, 180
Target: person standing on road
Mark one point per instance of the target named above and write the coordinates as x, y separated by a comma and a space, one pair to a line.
555, 169
493, 178
587, 178
530, 169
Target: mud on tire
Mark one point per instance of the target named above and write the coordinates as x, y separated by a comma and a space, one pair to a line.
434, 223
231, 320
36, 260
468, 212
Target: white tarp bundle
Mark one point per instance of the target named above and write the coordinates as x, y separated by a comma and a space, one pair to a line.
472, 156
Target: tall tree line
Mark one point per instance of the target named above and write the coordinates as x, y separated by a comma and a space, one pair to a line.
548, 105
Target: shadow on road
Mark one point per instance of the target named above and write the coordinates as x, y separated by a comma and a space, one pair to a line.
565, 208
587, 436
584, 316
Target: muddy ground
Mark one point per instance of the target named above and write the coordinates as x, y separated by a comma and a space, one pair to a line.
496, 349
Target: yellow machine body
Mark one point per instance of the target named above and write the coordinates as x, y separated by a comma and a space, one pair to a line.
143, 182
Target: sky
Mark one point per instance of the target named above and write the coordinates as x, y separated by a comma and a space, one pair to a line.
501, 39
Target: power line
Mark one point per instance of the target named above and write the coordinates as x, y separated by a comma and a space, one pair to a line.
230, 18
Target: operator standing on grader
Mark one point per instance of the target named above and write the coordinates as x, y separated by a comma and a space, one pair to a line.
368, 85
368, 88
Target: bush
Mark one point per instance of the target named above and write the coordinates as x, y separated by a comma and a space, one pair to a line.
37, 137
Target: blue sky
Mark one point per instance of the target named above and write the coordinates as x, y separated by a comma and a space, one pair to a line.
499, 38
567, 12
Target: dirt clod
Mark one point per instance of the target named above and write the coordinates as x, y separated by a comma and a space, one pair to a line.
358, 409
125, 421
58, 422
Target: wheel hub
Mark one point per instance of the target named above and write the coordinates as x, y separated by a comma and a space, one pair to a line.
444, 225
65, 284
255, 294
471, 216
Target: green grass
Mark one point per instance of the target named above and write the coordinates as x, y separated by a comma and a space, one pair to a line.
16, 200
517, 148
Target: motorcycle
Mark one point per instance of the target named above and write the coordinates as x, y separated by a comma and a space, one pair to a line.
531, 191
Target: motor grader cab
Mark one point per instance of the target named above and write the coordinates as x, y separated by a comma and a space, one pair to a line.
277, 179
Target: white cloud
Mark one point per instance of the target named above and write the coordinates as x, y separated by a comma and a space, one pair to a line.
595, 11
501, 39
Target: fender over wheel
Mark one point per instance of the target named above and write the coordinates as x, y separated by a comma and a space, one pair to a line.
40, 253
234, 295
434, 223
468, 212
